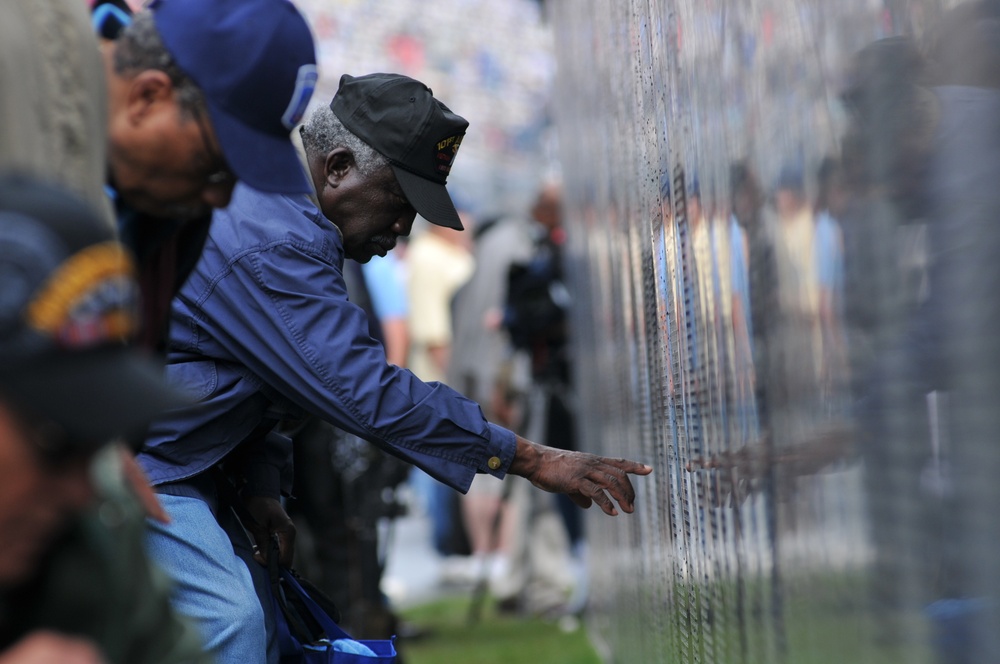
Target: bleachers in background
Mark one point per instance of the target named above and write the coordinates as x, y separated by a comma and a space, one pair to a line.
490, 61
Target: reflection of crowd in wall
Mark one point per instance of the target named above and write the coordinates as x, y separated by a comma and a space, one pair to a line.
823, 291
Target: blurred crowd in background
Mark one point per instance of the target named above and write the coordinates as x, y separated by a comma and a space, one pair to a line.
493, 60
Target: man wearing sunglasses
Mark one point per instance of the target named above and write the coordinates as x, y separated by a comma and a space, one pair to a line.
75, 585
200, 95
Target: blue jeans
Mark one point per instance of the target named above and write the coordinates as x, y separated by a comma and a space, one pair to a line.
216, 581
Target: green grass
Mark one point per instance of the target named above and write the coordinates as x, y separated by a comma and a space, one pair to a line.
494, 639
827, 620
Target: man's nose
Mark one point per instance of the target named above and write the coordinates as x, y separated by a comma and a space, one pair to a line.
404, 224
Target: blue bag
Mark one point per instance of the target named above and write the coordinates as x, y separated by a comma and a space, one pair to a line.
308, 635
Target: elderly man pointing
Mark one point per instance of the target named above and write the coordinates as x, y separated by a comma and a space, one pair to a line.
263, 331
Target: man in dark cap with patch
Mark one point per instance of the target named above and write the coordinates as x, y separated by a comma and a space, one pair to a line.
263, 331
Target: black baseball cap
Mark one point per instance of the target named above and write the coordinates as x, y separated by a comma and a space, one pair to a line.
68, 306
401, 120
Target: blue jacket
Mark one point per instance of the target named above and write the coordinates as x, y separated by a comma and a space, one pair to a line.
263, 329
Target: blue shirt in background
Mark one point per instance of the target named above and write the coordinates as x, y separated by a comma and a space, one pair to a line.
386, 286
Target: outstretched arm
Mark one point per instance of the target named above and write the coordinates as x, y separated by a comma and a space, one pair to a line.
585, 478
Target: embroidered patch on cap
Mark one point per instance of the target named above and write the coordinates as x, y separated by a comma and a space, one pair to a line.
91, 298
447, 149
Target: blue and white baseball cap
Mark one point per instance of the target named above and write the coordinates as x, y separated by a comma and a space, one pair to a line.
255, 62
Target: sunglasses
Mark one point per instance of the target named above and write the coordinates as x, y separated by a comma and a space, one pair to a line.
218, 171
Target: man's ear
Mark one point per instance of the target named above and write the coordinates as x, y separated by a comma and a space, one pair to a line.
147, 91
338, 165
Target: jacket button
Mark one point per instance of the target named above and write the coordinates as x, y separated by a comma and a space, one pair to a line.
493, 463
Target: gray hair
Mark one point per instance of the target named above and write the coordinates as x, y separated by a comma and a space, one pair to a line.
324, 132
139, 47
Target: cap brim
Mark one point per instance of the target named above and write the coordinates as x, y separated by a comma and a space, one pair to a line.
263, 161
429, 199
98, 396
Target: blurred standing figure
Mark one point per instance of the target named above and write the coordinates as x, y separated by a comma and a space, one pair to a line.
75, 583
885, 150
954, 343
480, 345
535, 317
829, 256
892, 119
795, 342
742, 223
480, 351
438, 262
704, 274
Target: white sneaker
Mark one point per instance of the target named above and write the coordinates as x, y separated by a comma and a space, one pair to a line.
459, 570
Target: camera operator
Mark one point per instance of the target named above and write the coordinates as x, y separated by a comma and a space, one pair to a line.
536, 319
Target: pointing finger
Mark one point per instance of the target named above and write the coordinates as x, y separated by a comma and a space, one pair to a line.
633, 467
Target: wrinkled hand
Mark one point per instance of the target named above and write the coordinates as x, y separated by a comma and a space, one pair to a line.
51, 648
585, 478
271, 519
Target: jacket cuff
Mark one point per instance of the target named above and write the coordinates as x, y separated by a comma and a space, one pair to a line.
498, 453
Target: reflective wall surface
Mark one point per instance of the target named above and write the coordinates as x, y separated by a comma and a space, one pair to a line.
785, 256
